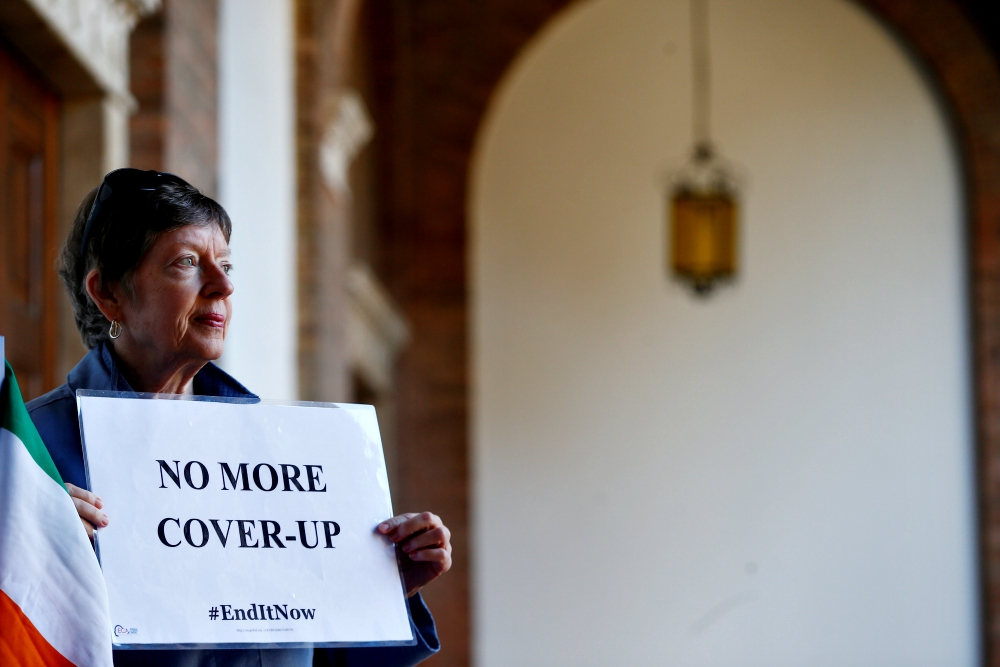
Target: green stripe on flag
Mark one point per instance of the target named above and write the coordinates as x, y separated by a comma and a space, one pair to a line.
14, 417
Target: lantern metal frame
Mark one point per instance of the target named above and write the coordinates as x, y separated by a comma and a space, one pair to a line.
703, 211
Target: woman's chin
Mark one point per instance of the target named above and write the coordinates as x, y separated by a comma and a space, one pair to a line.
208, 349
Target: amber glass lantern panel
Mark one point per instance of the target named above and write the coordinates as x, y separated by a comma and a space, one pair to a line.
703, 239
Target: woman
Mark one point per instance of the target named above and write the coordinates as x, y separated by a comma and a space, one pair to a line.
147, 269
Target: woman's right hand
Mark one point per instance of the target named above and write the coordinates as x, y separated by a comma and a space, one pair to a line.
88, 506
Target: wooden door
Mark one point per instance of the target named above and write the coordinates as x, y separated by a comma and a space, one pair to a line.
28, 119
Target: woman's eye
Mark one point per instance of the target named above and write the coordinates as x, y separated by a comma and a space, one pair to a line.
227, 268
187, 261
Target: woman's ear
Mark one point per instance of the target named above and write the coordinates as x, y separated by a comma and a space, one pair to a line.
103, 296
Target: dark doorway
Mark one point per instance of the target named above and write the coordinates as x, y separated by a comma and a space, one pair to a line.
28, 145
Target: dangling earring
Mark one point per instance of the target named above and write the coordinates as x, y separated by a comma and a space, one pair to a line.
115, 331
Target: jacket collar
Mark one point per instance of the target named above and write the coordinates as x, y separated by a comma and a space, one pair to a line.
98, 370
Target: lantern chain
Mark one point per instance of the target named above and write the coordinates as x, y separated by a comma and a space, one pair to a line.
701, 106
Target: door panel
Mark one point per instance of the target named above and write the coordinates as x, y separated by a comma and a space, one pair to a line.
28, 117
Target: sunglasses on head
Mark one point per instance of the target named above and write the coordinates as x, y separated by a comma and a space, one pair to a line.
120, 187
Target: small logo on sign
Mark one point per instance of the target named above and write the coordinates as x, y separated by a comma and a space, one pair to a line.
121, 630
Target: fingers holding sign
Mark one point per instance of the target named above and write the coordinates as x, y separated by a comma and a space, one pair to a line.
423, 543
88, 506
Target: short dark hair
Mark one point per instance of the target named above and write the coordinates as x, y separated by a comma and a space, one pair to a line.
118, 241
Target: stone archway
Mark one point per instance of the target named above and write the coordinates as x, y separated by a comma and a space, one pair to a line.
434, 68
969, 82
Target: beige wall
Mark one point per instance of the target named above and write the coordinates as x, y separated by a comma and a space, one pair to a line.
779, 475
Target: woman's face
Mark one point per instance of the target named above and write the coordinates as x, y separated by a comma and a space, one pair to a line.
180, 308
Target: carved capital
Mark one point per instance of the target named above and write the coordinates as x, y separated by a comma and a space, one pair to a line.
96, 32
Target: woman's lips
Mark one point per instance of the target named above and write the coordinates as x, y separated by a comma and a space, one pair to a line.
217, 320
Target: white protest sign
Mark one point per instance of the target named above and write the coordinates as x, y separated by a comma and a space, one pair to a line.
243, 524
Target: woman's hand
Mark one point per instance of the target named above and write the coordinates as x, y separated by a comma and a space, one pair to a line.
88, 506
424, 544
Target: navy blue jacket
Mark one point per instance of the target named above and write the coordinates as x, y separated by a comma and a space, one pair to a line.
55, 417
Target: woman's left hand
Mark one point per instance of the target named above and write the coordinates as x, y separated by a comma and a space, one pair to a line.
425, 546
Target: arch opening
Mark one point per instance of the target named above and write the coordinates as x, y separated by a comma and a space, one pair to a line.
782, 474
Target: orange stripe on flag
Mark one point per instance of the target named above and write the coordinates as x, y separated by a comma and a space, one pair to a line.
21, 643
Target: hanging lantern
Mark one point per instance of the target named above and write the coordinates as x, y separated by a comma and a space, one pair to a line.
703, 211
703, 195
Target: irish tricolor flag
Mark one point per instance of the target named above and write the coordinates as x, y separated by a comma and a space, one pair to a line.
53, 603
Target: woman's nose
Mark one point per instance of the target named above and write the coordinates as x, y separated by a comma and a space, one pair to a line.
217, 282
